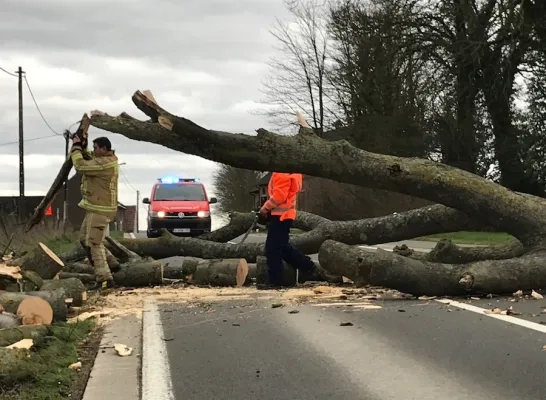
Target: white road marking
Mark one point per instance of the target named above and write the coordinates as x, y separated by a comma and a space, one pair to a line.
156, 372
374, 248
506, 318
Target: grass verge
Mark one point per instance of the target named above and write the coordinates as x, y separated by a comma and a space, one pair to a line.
480, 238
45, 374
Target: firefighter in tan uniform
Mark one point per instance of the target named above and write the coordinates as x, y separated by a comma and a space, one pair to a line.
99, 187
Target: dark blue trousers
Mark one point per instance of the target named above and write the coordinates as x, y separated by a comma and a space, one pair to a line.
278, 248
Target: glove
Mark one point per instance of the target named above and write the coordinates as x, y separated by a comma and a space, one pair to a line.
262, 220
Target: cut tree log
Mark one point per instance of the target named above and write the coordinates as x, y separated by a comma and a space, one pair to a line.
84, 278
13, 335
140, 273
79, 268
41, 260
223, 272
56, 298
33, 310
74, 289
60, 179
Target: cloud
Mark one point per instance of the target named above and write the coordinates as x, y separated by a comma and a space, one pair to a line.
202, 60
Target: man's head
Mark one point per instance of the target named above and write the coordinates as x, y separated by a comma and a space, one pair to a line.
101, 146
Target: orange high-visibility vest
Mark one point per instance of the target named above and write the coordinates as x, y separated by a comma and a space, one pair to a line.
283, 189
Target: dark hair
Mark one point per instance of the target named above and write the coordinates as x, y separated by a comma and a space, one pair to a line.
103, 142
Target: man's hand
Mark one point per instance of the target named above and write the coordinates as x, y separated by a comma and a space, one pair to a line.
76, 139
263, 212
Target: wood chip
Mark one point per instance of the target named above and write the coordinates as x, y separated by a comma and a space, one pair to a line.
21, 344
536, 295
76, 366
123, 350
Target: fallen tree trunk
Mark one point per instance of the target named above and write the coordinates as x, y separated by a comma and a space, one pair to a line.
484, 202
10, 301
13, 335
74, 289
384, 268
448, 252
480, 199
399, 226
60, 179
41, 260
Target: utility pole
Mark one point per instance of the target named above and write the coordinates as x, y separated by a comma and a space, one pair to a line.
65, 202
137, 207
20, 72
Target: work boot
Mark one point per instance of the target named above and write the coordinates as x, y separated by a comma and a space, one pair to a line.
100, 286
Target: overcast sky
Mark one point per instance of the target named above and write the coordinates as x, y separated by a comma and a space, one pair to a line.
201, 60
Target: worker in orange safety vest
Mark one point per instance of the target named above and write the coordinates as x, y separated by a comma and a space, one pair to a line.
280, 212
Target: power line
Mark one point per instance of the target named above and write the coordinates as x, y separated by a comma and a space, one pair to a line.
37, 107
7, 72
28, 140
127, 180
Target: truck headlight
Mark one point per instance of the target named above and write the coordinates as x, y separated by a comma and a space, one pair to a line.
203, 214
159, 214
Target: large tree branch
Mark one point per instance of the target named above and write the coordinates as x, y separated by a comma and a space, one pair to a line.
398, 226
61, 177
477, 197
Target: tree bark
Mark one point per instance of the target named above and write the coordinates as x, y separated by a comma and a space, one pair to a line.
61, 177
8, 321
477, 197
13, 335
383, 268
170, 246
447, 252
84, 278
74, 288
139, 274
56, 298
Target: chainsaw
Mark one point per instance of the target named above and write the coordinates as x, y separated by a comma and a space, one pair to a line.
259, 222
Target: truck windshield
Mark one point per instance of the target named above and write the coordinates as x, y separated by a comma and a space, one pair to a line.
182, 192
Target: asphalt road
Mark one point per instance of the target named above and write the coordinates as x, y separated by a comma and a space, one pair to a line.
399, 349
403, 350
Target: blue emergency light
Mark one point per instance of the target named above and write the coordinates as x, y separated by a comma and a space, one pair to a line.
175, 179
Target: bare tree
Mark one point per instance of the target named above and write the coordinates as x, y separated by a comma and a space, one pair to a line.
233, 186
298, 81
